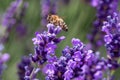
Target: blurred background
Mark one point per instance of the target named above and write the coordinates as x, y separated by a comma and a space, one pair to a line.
77, 14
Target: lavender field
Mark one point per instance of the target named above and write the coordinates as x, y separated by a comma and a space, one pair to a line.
59, 40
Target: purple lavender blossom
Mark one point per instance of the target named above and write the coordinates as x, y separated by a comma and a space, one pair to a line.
26, 71
3, 59
112, 39
25, 61
13, 18
31, 73
94, 3
8, 19
48, 7
46, 44
76, 63
50, 70
104, 8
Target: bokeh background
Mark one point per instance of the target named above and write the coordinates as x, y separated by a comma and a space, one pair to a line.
77, 14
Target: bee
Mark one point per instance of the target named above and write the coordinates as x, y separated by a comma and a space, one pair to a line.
57, 21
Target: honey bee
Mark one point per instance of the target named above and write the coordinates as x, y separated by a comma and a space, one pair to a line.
57, 21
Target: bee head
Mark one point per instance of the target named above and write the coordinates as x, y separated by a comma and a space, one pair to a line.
65, 28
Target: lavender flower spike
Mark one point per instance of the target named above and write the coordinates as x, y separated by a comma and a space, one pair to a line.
31, 73
8, 19
104, 9
112, 38
25, 61
26, 71
46, 44
13, 18
76, 63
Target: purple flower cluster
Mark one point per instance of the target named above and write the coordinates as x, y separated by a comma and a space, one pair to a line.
48, 7
25, 61
112, 37
76, 63
31, 73
104, 8
94, 3
14, 17
8, 20
3, 59
26, 71
46, 44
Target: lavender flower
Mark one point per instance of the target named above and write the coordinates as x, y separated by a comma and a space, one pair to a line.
94, 3
104, 8
26, 71
25, 61
9, 20
14, 17
48, 7
112, 38
50, 70
76, 63
3, 59
45, 44
31, 73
